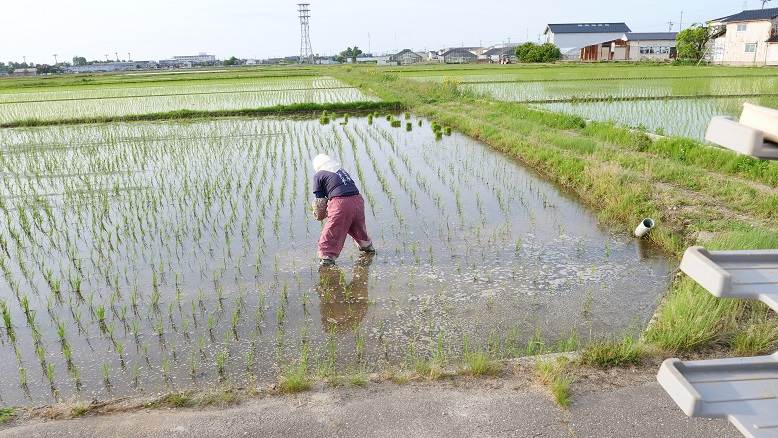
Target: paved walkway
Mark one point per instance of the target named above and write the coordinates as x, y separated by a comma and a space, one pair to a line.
629, 406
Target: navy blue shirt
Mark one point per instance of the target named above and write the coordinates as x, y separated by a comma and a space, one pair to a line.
333, 184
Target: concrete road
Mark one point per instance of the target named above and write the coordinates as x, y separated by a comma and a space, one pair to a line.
498, 408
628, 406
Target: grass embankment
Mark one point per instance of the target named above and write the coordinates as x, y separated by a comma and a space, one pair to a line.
700, 195
300, 109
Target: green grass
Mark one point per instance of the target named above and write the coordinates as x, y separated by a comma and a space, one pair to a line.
300, 109
430, 369
295, 377
80, 409
176, 400
6, 415
479, 364
759, 335
692, 320
556, 377
222, 397
609, 354
358, 379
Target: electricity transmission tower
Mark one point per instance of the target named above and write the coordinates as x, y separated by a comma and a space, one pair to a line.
306, 52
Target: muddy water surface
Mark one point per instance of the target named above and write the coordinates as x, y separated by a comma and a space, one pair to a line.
148, 257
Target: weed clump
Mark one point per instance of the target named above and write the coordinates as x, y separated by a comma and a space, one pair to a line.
478, 363
609, 354
756, 339
6, 415
556, 377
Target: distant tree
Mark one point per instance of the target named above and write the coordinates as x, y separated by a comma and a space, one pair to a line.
79, 60
233, 61
523, 50
691, 42
351, 53
531, 52
48, 69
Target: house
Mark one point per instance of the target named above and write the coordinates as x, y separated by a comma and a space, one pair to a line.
370, 59
633, 46
461, 55
571, 37
746, 38
406, 57
504, 54
25, 72
655, 46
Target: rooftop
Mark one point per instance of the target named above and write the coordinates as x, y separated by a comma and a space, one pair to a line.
750, 15
402, 52
459, 50
588, 28
651, 36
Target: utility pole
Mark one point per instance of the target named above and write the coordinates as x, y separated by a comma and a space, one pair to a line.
670, 26
106, 57
24, 60
129, 58
55, 59
680, 25
117, 56
369, 44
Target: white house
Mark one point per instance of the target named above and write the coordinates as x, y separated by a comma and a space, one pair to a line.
571, 37
746, 38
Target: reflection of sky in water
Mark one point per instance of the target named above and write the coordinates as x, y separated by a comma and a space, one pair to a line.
214, 218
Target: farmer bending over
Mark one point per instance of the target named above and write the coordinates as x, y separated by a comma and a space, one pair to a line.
339, 201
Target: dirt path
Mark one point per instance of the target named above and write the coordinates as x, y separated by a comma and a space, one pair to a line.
631, 404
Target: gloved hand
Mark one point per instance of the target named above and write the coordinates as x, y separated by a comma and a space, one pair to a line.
320, 209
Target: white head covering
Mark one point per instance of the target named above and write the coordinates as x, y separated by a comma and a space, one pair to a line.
325, 162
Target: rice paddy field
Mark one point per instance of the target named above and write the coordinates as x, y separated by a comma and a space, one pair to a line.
142, 97
153, 256
666, 100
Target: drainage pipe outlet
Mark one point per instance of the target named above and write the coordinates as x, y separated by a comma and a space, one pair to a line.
644, 227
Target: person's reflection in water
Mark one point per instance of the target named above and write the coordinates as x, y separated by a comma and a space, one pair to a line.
344, 305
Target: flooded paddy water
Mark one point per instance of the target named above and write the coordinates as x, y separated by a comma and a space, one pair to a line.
663, 100
149, 257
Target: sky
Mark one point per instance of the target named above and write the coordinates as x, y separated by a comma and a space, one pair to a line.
159, 29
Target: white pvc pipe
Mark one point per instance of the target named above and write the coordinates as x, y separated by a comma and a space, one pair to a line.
645, 226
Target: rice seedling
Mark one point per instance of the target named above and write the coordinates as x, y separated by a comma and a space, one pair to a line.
222, 358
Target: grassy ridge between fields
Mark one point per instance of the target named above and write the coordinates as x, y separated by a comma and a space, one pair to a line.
699, 194
301, 109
